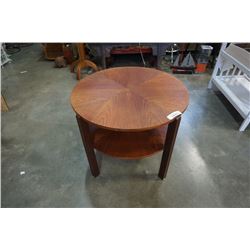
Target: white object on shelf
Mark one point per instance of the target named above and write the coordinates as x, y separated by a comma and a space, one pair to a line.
174, 114
4, 56
231, 76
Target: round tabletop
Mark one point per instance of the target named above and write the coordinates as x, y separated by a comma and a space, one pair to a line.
129, 98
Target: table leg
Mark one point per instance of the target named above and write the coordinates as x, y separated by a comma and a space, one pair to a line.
158, 56
168, 146
88, 145
103, 57
73, 65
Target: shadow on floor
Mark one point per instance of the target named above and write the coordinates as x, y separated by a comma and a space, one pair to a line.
123, 183
230, 108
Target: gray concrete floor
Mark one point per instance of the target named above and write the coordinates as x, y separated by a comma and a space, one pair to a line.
209, 167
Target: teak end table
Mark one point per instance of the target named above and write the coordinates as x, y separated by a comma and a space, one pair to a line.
130, 113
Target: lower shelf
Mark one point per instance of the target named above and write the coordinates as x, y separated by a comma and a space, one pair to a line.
129, 145
237, 90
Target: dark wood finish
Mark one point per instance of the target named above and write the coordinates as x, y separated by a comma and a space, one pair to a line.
87, 140
52, 50
103, 57
68, 54
82, 62
131, 50
158, 62
130, 145
169, 146
129, 98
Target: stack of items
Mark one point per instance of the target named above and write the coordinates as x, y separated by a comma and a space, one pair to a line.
202, 58
184, 62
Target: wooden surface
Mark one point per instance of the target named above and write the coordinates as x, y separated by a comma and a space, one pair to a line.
4, 106
169, 146
123, 112
53, 50
129, 98
87, 139
131, 50
82, 62
129, 145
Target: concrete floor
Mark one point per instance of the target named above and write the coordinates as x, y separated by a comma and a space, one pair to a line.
209, 167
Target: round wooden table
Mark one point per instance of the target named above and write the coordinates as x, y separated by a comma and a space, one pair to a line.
127, 112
